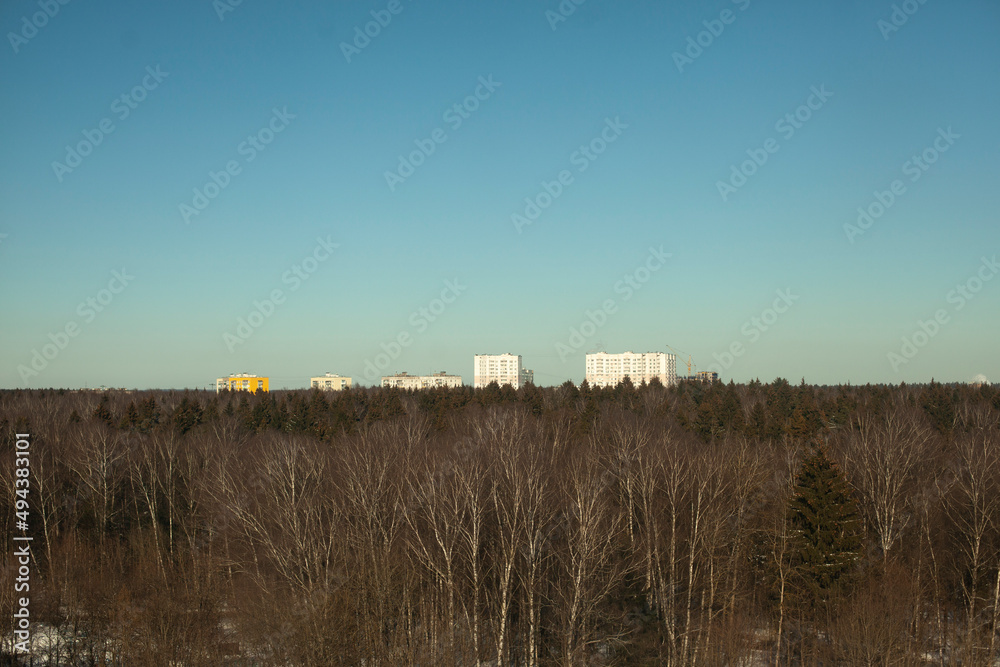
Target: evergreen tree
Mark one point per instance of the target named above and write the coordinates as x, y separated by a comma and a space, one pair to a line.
490, 394
824, 521
149, 415
626, 395
187, 415
531, 397
103, 412
756, 425
131, 418
937, 401
569, 393
211, 410
507, 394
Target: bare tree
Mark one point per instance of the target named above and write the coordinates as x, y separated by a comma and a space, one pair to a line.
591, 531
974, 509
883, 455
435, 515
98, 460
372, 501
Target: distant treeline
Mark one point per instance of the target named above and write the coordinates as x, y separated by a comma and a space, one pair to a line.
700, 524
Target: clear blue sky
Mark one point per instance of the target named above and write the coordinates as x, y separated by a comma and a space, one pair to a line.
678, 127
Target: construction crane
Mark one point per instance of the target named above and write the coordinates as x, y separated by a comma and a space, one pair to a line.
689, 362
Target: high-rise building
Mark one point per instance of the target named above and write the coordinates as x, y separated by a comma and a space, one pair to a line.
241, 382
608, 370
407, 381
500, 368
706, 376
330, 382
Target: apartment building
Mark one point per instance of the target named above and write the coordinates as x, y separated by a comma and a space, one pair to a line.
707, 377
608, 370
500, 368
330, 382
242, 382
407, 381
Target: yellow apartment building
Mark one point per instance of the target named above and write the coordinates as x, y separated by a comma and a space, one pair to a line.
241, 382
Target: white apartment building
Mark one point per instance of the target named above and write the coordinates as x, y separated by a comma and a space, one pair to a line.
330, 382
608, 370
407, 381
502, 369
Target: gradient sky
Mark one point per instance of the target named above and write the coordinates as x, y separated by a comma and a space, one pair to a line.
656, 185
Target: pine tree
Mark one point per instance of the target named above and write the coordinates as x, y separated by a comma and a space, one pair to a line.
490, 394
187, 415
937, 401
149, 415
531, 397
131, 418
826, 526
103, 412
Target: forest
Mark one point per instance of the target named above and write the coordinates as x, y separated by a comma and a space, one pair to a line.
698, 524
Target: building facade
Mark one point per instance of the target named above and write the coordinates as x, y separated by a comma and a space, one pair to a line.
242, 382
330, 382
608, 370
407, 381
502, 369
706, 376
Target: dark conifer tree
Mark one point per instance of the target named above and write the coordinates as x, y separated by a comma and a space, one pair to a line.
211, 410
131, 418
103, 412
531, 397
490, 394
187, 415
827, 530
507, 394
626, 394
149, 415
938, 402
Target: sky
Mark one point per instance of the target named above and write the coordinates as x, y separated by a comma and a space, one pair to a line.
190, 189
